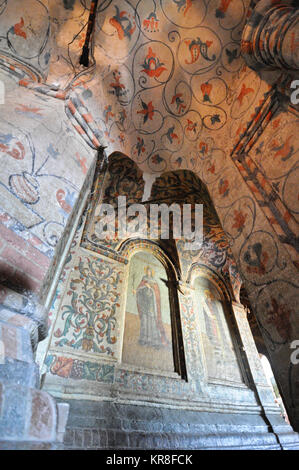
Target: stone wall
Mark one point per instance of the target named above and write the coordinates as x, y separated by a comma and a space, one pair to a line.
82, 365
106, 425
171, 90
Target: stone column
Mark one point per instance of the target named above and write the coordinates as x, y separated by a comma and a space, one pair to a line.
29, 417
270, 39
265, 396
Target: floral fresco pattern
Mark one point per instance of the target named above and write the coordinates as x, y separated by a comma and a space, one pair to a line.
89, 308
168, 76
67, 367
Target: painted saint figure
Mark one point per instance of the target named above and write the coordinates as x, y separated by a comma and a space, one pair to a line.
216, 339
148, 299
211, 321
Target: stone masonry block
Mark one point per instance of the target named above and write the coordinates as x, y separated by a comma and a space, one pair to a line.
16, 342
43, 416
20, 373
27, 414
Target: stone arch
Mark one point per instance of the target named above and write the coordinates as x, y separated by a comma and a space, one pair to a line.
256, 254
131, 246
220, 340
261, 252
125, 170
198, 269
129, 249
117, 175
185, 186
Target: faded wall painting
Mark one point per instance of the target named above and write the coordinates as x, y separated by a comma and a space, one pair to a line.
147, 335
220, 356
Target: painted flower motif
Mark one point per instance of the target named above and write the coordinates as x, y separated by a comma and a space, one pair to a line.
171, 135
211, 169
108, 114
183, 5
151, 23
62, 366
197, 49
178, 162
82, 162
179, 101
259, 149
152, 65
119, 88
123, 24
148, 111
122, 116
66, 201
285, 150
256, 259
58, 333
121, 138
221, 10
12, 147
206, 89
244, 92
215, 118
223, 187
279, 317
86, 325
29, 111
81, 40
157, 159
17, 29
191, 126
203, 148
140, 146
239, 219
231, 55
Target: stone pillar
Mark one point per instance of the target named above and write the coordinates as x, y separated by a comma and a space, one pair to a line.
29, 417
265, 396
270, 39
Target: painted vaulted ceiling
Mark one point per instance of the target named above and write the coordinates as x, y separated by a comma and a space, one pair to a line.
166, 85
162, 89
168, 88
